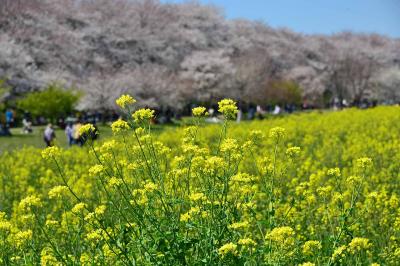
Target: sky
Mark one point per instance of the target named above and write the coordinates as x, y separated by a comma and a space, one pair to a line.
318, 16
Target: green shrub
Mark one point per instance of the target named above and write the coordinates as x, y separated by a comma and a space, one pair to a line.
53, 102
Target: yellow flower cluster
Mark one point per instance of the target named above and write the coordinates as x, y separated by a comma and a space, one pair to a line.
293, 151
334, 172
228, 248
282, 235
150, 187
364, 163
30, 201
243, 178
96, 169
100, 210
228, 108
47, 258
4, 224
114, 181
277, 133
197, 197
229, 145
119, 126
79, 207
51, 152
311, 247
94, 236
307, 264
247, 242
189, 215
358, 244
199, 111
20, 238
58, 191
239, 225
339, 253
125, 100
143, 115
86, 129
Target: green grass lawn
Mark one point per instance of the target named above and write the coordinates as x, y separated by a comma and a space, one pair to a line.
19, 140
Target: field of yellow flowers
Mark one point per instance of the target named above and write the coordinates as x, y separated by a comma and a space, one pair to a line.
308, 189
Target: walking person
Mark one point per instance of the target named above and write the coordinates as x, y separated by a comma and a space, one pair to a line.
49, 135
69, 132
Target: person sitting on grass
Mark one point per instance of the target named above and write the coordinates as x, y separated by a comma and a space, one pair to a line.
27, 126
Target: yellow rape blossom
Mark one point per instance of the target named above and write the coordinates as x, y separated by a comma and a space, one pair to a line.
339, 253
96, 170
143, 115
358, 244
119, 126
247, 242
228, 248
21, 237
30, 201
125, 100
51, 152
307, 264
311, 247
58, 191
277, 133
282, 235
100, 210
114, 181
199, 111
86, 129
334, 172
228, 108
239, 225
293, 151
364, 163
197, 197
79, 207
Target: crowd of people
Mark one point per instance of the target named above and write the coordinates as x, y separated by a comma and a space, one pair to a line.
9, 122
71, 128
72, 133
